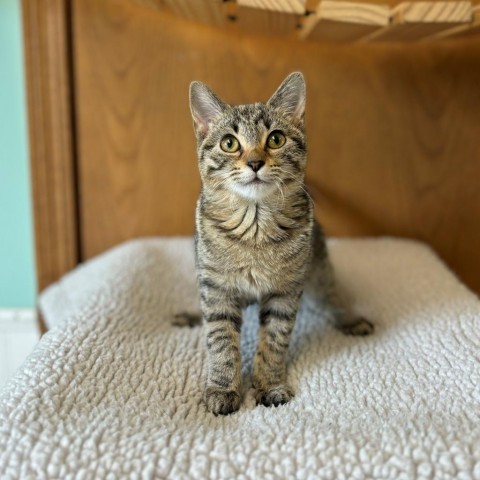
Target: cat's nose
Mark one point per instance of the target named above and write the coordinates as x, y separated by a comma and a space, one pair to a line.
255, 165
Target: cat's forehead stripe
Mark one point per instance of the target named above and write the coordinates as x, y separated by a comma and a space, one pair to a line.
251, 120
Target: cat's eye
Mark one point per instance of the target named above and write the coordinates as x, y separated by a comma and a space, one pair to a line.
276, 139
230, 144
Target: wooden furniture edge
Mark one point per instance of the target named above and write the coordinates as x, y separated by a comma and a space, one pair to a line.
48, 72
42, 325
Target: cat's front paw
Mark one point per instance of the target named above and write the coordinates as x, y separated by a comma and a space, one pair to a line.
220, 401
359, 326
274, 396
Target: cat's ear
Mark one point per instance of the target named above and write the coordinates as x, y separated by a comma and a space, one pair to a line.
290, 97
205, 106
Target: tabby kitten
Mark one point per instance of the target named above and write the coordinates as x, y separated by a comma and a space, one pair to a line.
256, 238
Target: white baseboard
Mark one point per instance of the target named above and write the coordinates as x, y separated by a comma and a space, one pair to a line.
18, 335
18, 319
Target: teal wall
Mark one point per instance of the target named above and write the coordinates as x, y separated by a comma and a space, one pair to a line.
17, 271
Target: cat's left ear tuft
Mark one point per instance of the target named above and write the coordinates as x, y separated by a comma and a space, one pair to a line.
290, 97
205, 106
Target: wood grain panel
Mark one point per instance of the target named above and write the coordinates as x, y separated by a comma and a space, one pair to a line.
256, 21
52, 157
211, 12
412, 21
393, 130
344, 21
402, 150
151, 3
340, 32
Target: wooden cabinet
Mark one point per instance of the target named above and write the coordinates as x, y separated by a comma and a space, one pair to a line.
393, 126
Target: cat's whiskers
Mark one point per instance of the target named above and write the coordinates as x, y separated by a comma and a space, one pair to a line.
279, 185
219, 185
227, 196
296, 180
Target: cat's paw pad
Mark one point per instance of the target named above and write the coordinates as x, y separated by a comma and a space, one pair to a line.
274, 396
221, 402
360, 326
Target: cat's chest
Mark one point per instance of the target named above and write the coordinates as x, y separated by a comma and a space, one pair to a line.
256, 251
254, 228
253, 271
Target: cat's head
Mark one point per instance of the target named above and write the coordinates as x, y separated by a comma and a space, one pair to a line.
252, 150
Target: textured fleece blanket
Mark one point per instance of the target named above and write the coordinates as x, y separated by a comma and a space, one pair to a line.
113, 390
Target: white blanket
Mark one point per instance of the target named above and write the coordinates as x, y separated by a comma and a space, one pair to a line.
114, 391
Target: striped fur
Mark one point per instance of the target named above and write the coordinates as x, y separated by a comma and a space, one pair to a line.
256, 240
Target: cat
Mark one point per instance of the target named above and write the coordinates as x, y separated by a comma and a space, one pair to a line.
256, 239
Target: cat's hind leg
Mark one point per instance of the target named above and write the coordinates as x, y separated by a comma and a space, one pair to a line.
338, 313
322, 295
